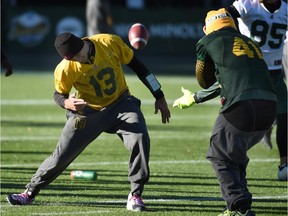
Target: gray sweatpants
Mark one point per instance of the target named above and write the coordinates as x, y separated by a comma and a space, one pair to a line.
123, 118
228, 154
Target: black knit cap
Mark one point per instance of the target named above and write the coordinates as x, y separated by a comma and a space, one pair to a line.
68, 45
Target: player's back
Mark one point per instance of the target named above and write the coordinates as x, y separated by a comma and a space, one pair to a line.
238, 60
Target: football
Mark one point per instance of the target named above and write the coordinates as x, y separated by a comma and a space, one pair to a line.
138, 36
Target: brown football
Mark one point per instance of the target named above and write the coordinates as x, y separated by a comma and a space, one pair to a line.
138, 36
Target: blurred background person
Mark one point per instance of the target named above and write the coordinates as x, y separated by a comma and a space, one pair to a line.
99, 17
135, 4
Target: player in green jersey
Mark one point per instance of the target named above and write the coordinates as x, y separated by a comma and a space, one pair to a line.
265, 22
103, 103
248, 104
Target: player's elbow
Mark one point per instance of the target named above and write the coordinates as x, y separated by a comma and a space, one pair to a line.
205, 73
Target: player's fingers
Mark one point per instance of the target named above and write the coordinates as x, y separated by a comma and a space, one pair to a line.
165, 114
176, 103
165, 119
183, 89
80, 103
8, 73
156, 108
168, 116
72, 95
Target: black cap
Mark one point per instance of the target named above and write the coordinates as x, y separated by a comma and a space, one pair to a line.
68, 45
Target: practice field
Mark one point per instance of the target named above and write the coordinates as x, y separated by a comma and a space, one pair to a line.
182, 182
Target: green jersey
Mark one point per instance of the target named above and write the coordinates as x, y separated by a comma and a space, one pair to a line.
239, 66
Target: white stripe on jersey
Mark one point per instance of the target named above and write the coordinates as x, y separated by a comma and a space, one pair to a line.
268, 29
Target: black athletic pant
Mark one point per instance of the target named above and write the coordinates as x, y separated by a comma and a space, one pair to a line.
251, 115
234, 133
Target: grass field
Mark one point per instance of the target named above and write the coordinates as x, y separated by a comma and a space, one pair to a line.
182, 182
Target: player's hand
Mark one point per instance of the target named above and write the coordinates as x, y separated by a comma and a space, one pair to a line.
187, 100
9, 70
161, 105
75, 104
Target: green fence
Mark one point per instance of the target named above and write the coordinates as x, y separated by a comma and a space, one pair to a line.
28, 33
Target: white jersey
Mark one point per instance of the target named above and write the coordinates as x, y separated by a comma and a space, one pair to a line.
266, 28
285, 56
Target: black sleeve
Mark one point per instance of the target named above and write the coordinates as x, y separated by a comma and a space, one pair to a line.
60, 98
138, 67
3, 57
141, 70
207, 94
234, 13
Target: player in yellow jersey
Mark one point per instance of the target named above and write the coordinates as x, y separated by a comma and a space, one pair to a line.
103, 103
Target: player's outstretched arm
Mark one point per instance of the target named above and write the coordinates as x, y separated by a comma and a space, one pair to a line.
189, 99
207, 94
151, 82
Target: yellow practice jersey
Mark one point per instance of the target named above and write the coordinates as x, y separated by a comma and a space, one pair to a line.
100, 83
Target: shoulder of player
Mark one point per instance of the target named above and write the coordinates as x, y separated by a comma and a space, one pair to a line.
106, 40
207, 38
103, 38
216, 35
246, 4
66, 66
284, 6
248, 8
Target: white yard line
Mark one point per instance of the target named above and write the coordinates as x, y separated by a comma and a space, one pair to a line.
124, 201
28, 102
165, 136
45, 102
28, 138
181, 199
73, 213
257, 160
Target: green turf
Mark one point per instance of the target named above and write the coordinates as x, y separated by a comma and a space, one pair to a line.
182, 182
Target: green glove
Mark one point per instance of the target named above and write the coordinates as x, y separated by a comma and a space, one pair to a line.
186, 100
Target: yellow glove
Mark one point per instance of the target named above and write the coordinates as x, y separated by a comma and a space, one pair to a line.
185, 101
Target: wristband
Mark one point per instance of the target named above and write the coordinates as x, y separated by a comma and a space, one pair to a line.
159, 94
152, 83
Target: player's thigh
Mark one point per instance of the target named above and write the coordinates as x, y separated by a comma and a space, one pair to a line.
80, 130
